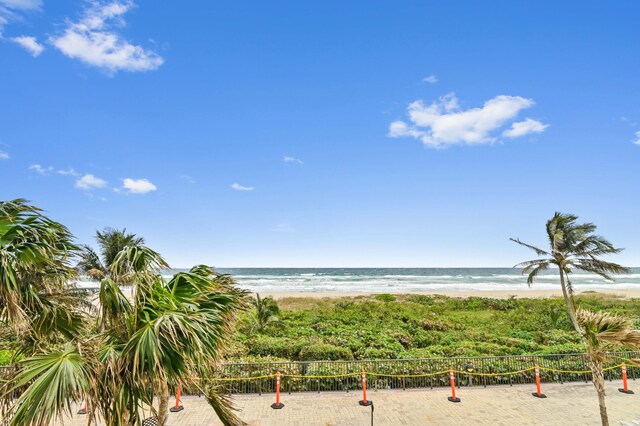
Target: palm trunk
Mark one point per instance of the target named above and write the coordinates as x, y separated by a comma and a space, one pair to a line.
163, 403
568, 300
598, 383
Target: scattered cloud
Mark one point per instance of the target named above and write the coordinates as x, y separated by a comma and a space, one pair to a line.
68, 172
138, 186
284, 227
40, 169
4, 155
238, 187
522, 128
30, 44
90, 181
444, 122
50, 170
637, 138
94, 40
291, 160
431, 79
12, 10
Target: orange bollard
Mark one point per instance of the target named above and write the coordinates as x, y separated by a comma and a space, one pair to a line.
538, 393
452, 379
177, 407
625, 388
364, 401
278, 405
84, 409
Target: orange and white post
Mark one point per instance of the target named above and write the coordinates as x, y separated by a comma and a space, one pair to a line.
277, 405
625, 387
452, 380
176, 408
364, 401
538, 393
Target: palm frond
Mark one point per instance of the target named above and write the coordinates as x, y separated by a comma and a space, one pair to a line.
223, 407
538, 251
54, 381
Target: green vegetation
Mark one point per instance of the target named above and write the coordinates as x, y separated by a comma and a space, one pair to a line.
416, 326
117, 352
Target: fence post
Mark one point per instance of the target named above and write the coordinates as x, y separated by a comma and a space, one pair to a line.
364, 401
625, 388
538, 393
177, 408
452, 380
277, 405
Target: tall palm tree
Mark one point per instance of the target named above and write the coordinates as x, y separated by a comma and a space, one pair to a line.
571, 246
97, 264
602, 331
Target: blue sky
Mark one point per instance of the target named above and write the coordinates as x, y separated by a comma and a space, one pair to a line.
417, 133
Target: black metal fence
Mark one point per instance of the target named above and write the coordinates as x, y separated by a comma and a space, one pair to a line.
318, 376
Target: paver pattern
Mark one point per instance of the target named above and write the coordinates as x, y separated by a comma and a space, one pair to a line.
567, 404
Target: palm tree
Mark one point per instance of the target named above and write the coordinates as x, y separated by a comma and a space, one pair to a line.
571, 246
602, 330
35, 270
266, 311
111, 242
121, 356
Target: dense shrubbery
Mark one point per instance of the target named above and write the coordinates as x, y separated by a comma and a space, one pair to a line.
416, 326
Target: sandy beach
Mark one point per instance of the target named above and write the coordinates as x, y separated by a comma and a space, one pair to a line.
497, 294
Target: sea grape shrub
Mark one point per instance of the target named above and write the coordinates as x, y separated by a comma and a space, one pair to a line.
281, 347
325, 352
385, 297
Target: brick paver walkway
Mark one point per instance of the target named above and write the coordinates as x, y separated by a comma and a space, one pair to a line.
568, 404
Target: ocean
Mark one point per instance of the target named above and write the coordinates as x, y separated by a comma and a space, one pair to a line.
396, 280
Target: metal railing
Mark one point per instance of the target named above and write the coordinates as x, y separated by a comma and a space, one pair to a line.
318, 376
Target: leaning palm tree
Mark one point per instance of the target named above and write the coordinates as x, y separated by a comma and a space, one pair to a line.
97, 264
572, 246
602, 331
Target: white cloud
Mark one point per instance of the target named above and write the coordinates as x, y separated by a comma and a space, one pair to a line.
138, 186
444, 123
94, 41
637, 139
238, 187
50, 169
90, 181
431, 79
68, 172
40, 169
12, 10
288, 159
30, 44
522, 128
4, 155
